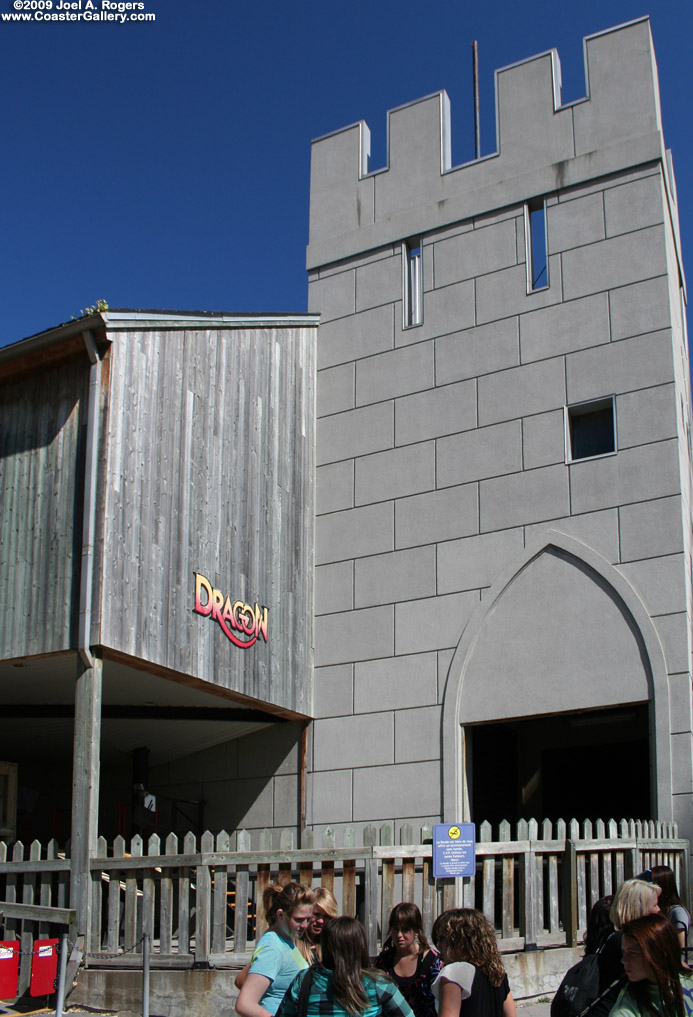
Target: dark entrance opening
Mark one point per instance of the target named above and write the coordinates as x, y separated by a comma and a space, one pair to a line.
592, 765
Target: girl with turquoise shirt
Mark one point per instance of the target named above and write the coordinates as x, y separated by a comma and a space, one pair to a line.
276, 960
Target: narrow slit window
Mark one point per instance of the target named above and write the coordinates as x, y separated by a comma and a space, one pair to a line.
537, 259
412, 282
590, 429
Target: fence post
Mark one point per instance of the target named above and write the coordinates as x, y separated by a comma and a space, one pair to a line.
130, 922
570, 892
149, 887
371, 891
26, 937
528, 916
327, 867
387, 870
189, 848
93, 935
203, 911
349, 875
406, 836
286, 843
508, 885
240, 918
166, 899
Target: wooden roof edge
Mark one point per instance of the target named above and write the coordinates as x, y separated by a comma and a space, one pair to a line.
128, 318
65, 340
53, 344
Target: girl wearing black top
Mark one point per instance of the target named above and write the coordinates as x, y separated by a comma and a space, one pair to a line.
473, 982
409, 960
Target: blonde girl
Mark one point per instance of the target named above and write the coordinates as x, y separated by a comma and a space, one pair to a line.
325, 909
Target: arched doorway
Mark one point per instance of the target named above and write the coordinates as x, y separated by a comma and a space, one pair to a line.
558, 667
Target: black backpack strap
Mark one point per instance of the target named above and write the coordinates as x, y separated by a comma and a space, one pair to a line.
617, 983
306, 983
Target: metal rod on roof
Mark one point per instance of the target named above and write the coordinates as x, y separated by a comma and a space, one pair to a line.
475, 81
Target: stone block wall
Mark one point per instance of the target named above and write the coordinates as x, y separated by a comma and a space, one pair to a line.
442, 447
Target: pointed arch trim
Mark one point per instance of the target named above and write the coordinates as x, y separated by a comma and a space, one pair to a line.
453, 777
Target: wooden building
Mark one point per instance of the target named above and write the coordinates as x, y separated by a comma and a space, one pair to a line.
156, 483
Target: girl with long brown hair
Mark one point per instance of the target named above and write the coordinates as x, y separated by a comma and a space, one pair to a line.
658, 984
408, 959
343, 983
473, 982
670, 902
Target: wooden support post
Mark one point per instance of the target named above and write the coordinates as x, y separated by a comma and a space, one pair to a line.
371, 902
203, 909
371, 892
85, 788
570, 892
349, 888
528, 901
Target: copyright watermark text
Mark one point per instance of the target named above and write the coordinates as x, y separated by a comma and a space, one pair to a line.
118, 11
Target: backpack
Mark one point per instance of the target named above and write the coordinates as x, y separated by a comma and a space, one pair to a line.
578, 994
579, 988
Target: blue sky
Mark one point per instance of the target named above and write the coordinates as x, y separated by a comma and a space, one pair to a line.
166, 164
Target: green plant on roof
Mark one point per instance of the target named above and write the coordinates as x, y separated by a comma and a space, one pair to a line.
97, 308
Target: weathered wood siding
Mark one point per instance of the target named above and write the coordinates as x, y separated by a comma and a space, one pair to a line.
42, 431
210, 470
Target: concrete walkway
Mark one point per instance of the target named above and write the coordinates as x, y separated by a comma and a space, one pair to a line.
31, 1008
539, 1007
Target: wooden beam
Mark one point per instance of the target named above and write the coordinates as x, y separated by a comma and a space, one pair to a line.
209, 688
37, 913
66, 711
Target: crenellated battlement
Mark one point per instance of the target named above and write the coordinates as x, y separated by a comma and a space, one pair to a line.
542, 145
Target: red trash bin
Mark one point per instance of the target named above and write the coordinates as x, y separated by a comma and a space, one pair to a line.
44, 967
9, 969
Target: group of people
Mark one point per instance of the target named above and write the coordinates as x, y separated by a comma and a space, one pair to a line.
313, 963
637, 940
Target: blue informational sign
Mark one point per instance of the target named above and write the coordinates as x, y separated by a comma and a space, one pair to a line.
454, 850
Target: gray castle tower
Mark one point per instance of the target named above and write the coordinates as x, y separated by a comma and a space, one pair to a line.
503, 579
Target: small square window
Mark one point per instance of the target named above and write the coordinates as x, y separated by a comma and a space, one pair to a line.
590, 429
